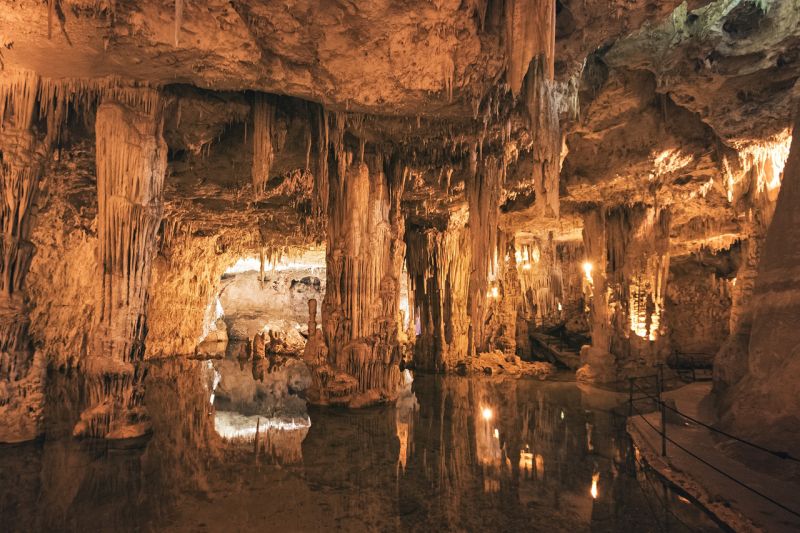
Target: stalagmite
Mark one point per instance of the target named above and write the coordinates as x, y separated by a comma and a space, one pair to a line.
131, 163
438, 266
487, 264
638, 268
597, 360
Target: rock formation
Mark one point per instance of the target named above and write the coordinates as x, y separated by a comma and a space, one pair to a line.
482, 178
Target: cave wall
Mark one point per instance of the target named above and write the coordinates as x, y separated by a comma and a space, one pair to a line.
767, 395
697, 310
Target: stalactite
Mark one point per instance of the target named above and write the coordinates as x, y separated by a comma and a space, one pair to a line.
540, 100
178, 19
321, 186
530, 30
263, 150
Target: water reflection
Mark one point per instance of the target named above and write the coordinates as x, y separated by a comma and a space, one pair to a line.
458, 454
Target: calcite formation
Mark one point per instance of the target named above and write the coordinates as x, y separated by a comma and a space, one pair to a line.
489, 183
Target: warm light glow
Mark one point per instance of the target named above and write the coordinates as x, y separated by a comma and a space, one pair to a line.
595, 479
559, 307
526, 266
562, 415
494, 292
487, 413
587, 271
496, 433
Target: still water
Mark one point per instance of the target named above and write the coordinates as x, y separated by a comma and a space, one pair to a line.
454, 454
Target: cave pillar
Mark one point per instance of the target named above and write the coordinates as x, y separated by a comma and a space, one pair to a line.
22, 156
626, 271
360, 311
131, 163
438, 267
765, 403
597, 362
638, 269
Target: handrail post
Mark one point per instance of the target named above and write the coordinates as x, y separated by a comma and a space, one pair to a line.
663, 410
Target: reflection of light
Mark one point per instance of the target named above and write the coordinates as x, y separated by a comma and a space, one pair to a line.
559, 306
562, 415
496, 433
683, 500
494, 293
587, 270
539, 464
232, 425
526, 266
487, 413
595, 479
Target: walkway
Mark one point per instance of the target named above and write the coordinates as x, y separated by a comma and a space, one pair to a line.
733, 504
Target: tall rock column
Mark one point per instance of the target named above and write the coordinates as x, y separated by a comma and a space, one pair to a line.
765, 404
638, 268
24, 145
131, 163
360, 312
627, 267
438, 267
22, 155
597, 362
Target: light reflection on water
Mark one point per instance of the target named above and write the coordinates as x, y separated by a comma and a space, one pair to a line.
549, 456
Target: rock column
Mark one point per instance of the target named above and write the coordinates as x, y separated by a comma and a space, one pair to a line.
360, 312
131, 163
22, 156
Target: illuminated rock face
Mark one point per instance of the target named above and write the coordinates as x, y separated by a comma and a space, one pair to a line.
22, 154
766, 396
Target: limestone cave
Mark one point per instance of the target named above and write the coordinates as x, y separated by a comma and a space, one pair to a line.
410, 265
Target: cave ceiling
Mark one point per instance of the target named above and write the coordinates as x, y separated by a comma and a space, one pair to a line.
661, 102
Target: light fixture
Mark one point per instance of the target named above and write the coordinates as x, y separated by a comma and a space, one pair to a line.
587, 270
487, 413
